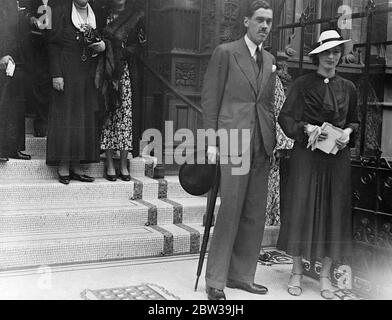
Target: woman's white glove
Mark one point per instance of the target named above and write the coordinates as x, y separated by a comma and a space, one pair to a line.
4, 62
98, 46
58, 84
343, 141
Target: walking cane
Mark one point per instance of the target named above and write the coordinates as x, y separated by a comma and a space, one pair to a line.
211, 200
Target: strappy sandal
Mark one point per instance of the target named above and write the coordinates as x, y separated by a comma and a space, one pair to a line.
295, 290
327, 293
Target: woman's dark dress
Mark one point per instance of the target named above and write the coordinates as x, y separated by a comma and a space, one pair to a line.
72, 127
317, 209
12, 117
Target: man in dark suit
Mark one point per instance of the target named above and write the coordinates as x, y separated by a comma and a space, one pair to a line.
12, 111
238, 93
37, 62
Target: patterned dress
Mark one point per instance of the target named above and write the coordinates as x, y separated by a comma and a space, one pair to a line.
273, 199
117, 130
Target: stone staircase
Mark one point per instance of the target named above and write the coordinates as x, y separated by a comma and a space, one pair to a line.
43, 222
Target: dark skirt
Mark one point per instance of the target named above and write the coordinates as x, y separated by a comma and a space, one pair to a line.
316, 207
72, 127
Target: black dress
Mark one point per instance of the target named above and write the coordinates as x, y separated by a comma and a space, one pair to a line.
72, 127
12, 118
316, 215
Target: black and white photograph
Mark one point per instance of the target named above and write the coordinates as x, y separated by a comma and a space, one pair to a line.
196, 150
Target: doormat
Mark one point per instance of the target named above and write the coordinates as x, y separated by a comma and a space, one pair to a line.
145, 291
270, 258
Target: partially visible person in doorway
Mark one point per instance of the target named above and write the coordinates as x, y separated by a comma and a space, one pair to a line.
74, 47
39, 82
12, 111
317, 224
283, 144
125, 38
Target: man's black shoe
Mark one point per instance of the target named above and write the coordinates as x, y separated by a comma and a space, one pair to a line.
3, 159
215, 294
21, 156
252, 288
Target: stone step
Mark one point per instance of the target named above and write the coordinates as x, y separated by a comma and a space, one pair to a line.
32, 192
44, 217
36, 147
38, 250
36, 169
28, 251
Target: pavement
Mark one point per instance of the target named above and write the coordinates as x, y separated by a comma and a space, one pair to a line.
175, 276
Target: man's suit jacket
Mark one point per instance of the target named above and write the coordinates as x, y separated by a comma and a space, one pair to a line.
234, 96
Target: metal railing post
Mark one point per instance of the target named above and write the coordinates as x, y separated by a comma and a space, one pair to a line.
303, 21
369, 14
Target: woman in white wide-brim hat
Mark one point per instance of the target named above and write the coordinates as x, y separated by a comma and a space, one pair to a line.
316, 214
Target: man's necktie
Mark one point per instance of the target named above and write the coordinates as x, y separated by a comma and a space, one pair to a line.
259, 57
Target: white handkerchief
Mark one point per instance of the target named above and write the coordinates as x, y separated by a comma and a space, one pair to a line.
10, 69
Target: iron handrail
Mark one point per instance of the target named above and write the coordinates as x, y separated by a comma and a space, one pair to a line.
383, 43
331, 19
169, 86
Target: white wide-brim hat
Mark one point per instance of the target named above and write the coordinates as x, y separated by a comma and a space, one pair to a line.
328, 39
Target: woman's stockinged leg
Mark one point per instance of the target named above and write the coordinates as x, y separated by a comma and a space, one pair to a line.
76, 168
294, 285
124, 162
326, 288
110, 168
63, 169
124, 172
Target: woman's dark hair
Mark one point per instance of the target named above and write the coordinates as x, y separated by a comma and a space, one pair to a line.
316, 61
256, 5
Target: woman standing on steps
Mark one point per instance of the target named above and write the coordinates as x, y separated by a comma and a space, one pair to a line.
74, 47
117, 76
317, 222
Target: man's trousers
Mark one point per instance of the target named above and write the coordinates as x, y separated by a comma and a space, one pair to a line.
239, 228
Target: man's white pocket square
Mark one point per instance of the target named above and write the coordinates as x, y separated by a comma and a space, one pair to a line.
273, 68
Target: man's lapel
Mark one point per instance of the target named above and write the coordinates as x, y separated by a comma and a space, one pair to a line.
244, 61
265, 73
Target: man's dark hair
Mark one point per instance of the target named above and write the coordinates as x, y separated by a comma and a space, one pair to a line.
256, 5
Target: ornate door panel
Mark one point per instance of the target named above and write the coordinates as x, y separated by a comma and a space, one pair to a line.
182, 36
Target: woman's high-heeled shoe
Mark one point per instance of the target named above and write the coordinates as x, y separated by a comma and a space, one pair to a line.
110, 177
64, 179
124, 177
295, 290
326, 293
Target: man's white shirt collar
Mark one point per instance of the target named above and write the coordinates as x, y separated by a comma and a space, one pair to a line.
252, 46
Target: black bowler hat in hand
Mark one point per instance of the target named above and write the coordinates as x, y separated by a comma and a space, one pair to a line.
197, 175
